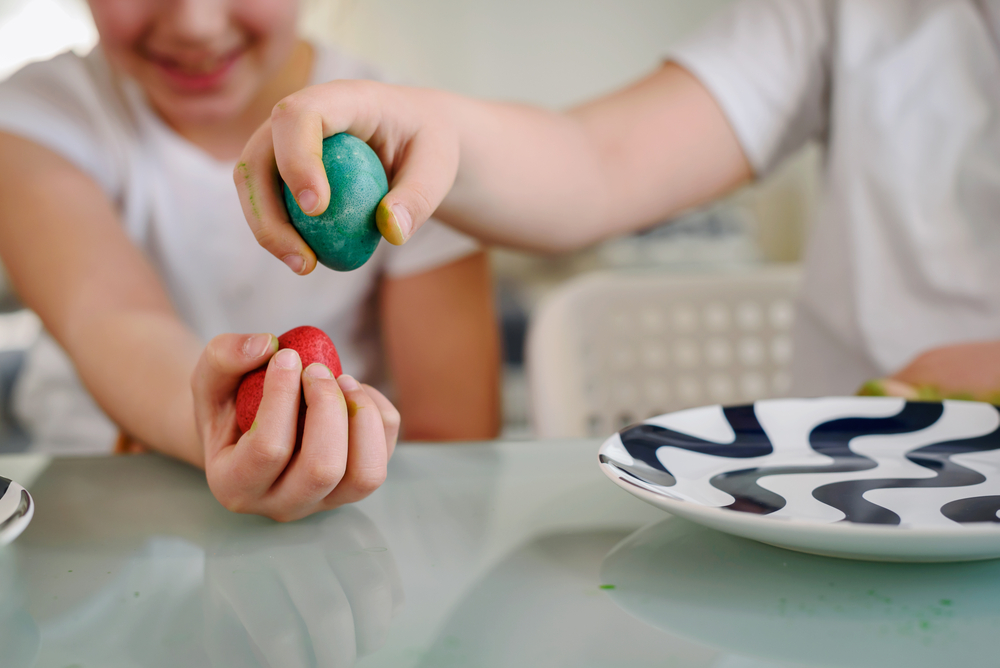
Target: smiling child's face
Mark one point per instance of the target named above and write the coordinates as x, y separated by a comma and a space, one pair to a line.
199, 61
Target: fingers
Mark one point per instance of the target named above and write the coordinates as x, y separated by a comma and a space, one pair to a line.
241, 475
422, 176
242, 627
214, 381
225, 359
417, 147
322, 603
349, 434
344, 450
297, 136
256, 178
367, 453
321, 463
390, 418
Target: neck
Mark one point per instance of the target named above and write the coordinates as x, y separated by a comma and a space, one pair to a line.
225, 140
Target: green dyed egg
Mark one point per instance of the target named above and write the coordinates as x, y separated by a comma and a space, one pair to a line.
345, 235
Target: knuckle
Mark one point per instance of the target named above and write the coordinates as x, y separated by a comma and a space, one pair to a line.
368, 479
282, 515
267, 237
268, 453
231, 501
319, 476
422, 198
288, 107
391, 419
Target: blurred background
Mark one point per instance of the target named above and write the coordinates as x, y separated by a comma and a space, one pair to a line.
549, 52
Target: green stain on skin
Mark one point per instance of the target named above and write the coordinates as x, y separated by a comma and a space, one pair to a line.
352, 408
251, 188
252, 427
607, 587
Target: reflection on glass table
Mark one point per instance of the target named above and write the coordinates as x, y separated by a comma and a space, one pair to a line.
154, 589
506, 553
788, 608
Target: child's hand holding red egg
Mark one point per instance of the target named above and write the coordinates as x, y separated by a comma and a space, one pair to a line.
348, 430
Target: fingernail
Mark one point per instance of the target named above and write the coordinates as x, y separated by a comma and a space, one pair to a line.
257, 345
347, 383
286, 359
308, 201
295, 262
318, 370
394, 223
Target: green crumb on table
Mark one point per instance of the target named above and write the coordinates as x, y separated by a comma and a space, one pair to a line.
945, 601
607, 586
136, 594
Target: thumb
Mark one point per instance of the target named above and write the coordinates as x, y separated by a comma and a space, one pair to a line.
419, 185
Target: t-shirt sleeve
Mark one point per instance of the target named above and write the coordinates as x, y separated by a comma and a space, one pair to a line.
767, 63
433, 245
57, 104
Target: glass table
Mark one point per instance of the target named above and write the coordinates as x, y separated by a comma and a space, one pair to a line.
486, 555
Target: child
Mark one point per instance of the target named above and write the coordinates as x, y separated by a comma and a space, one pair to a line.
119, 225
900, 272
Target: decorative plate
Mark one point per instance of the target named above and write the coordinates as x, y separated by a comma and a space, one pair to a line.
16, 510
874, 478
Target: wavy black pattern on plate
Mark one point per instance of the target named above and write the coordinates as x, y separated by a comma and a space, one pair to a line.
847, 496
643, 440
4, 484
973, 509
831, 439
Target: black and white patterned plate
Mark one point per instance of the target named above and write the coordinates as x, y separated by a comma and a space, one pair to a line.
858, 477
16, 510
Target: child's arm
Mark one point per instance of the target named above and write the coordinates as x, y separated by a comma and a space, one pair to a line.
440, 334
71, 261
505, 173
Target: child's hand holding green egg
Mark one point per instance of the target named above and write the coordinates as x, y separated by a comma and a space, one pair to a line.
345, 235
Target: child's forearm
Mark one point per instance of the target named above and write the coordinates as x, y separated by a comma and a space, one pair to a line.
137, 365
551, 181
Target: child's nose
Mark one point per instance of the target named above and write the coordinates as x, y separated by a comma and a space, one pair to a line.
197, 20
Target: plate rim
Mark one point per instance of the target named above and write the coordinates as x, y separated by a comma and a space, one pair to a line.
980, 540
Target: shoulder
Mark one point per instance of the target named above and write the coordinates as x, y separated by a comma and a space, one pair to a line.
331, 63
70, 104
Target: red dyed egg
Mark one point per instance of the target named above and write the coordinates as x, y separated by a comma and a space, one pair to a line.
312, 345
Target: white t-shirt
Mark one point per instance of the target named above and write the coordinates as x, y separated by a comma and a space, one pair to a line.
903, 94
180, 206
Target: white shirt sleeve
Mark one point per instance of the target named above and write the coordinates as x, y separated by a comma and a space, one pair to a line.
767, 63
59, 104
433, 245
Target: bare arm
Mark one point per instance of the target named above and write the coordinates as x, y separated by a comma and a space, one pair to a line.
440, 334
505, 173
70, 260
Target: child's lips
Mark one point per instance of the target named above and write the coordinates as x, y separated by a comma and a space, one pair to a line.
197, 76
